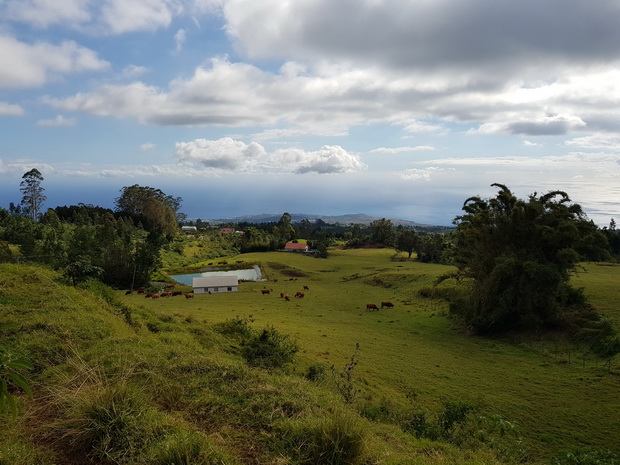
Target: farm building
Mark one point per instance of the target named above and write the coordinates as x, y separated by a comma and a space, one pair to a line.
295, 247
213, 284
189, 229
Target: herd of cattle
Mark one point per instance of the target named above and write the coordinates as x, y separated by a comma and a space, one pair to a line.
190, 295
301, 295
157, 295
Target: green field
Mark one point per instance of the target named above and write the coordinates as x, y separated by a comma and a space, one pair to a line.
413, 346
412, 356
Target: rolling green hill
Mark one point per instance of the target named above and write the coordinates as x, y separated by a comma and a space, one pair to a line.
123, 379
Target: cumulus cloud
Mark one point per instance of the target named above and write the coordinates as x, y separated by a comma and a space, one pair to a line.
32, 65
329, 159
121, 16
58, 121
418, 148
9, 109
227, 154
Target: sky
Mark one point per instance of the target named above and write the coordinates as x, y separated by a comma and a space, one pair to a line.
392, 108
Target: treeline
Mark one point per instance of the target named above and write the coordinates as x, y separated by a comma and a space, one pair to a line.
121, 247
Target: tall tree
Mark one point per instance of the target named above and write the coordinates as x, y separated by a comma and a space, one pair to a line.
156, 209
382, 231
32, 193
518, 256
407, 241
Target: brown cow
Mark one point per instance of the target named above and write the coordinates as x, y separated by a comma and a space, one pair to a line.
371, 307
282, 295
300, 295
287, 298
141, 290
128, 293
265, 291
306, 288
387, 304
189, 295
176, 293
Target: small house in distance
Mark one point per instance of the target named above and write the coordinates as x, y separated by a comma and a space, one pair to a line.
213, 284
295, 247
189, 229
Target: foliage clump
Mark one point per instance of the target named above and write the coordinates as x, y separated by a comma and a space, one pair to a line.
518, 256
269, 348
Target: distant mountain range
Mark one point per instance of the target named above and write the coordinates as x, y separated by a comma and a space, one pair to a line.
357, 218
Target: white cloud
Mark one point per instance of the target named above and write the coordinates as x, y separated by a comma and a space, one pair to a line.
10, 109
32, 65
329, 159
147, 146
596, 141
227, 154
528, 143
418, 148
45, 13
58, 121
415, 174
179, 39
122, 16
133, 71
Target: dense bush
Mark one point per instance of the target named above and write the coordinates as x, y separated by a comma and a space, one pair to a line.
269, 349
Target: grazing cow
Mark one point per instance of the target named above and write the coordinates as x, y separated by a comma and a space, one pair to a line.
176, 293
300, 295
282, 295
211, 263
306, 288
128, 293
371, 307
387, 304
265, 291
189, 295
166, 294
155, 296
239, 261
287, 298
141, 290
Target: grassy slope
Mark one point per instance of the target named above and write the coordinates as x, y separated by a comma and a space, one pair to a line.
195, 383
106, 391
559, 406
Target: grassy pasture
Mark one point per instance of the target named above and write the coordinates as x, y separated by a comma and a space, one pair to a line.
183, 393
414, 348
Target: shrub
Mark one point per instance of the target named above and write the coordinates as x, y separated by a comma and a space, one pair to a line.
188, 448
10, 377
588, 457
238, 327
337, 439
269, 349
315, 372
109, 423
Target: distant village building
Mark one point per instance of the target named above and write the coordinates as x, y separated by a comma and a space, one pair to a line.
189, 229
213, 284
230, 231
295, 247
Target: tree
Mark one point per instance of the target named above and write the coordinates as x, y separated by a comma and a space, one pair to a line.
518, 256
382, 231
407, 241
32, 193
151, 206
284, 230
